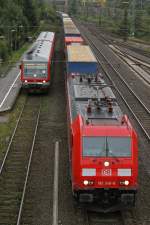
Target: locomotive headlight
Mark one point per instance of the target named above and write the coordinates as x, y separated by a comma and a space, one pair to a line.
44, 81
25, 81
106, 163
85, 182
126, 182
88, 182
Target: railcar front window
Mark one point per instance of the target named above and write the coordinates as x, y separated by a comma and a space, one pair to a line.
94, 146
35, 70
106, 147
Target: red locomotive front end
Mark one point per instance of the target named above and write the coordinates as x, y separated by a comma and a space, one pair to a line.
104, 165
103, 146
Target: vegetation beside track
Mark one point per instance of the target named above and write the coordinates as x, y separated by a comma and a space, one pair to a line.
127, 19
20, 22
7, 123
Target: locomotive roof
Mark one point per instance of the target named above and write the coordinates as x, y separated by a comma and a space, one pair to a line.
41, 49
94, 99
80, 53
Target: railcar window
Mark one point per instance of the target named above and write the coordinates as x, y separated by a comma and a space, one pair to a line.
106, 147
35, 70
94, 146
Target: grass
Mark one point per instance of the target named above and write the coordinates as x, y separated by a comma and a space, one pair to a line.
16, 55
6, 66
6, 128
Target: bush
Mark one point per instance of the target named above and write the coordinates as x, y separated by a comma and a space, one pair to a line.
3, 50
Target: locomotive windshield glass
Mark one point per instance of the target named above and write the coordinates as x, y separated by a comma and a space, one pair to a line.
94, 146
119, 146
35, 70
106, 147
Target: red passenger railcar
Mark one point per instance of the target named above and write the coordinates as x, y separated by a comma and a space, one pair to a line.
37, 63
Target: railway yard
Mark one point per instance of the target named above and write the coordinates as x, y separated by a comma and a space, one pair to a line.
28, 194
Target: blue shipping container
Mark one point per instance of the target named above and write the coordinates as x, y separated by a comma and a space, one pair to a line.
82, 67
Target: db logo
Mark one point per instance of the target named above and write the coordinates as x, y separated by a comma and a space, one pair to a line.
106, 172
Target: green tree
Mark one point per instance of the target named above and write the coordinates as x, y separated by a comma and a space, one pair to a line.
73, 6
29, 10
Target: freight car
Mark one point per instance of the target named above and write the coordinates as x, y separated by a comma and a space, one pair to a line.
70, 30
73, 40
103, 151
37, 63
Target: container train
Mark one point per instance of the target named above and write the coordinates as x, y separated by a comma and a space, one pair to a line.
37, 63
103, 148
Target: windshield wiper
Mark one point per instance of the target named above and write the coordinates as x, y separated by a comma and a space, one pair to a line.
109, 152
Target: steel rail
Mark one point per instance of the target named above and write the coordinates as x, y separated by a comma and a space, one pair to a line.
133, 58
91, 43
12, 137
125, 55
107, 39
28, 169
119, 45
95, 218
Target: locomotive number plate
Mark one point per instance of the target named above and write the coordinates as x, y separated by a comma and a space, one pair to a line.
106, 172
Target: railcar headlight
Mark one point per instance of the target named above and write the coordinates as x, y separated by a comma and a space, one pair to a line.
26, 81
44, 81
85, 182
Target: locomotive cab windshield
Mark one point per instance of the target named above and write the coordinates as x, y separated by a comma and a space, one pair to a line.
106, 146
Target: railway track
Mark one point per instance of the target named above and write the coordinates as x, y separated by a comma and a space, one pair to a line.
93, 218
139, 64
140, 112
16, 164
109, 40
115, 218
39, 206
140, 68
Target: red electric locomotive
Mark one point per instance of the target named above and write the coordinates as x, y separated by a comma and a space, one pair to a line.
102, 142
36, 66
